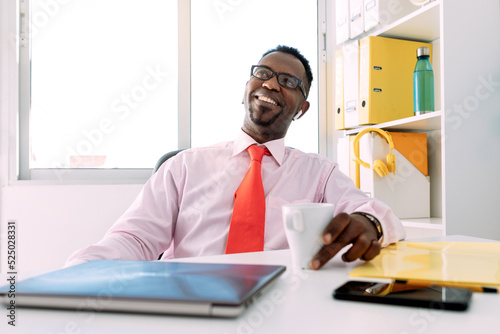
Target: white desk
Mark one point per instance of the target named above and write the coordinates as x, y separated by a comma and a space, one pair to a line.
300, 302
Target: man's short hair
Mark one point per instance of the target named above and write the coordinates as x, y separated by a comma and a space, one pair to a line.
296, 53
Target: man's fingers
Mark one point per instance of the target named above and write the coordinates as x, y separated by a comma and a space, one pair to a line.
362, 248
335, 228
342, 231
324, 255
373, 251
341, 234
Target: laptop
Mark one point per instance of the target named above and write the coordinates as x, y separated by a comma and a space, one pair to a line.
155, 287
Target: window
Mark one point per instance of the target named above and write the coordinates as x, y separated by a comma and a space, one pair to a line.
100, 79
103, 83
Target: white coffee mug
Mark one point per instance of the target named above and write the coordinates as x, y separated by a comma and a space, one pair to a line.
304, 225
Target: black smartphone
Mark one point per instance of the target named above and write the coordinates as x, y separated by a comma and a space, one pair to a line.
435, 297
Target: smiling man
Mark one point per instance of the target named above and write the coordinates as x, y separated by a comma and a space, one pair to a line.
271, 104
186, 208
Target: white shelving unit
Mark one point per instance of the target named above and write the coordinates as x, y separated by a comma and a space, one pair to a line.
423, 24
420, 123
466, 60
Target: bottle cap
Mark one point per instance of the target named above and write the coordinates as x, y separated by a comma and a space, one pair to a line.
423, 51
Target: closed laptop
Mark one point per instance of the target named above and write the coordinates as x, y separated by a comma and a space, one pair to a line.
201, 289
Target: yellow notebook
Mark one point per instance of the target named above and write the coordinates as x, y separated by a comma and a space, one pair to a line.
442, 263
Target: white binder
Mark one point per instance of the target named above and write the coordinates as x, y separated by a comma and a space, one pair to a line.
342, 20
343, 154
372, 13
356, 18
351, 84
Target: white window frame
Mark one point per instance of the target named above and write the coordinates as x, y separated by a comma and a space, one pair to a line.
16, 78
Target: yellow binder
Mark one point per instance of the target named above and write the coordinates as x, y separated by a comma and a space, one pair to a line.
386, 68
466, 264
339, 90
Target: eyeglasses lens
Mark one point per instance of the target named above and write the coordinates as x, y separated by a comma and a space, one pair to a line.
288, 81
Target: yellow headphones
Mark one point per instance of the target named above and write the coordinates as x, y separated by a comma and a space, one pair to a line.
378, 166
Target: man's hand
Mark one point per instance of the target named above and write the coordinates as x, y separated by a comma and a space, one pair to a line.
346, 229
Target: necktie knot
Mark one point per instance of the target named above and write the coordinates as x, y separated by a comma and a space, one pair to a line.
257, 152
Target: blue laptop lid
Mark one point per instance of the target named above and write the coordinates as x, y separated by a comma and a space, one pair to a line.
223, 284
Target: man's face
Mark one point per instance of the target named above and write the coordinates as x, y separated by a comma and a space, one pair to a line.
270, 107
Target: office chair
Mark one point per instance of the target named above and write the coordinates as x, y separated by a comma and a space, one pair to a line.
164, 158
160, 162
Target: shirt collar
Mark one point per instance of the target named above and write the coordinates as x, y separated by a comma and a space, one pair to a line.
276, 147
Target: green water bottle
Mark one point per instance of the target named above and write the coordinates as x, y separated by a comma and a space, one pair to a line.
423, 83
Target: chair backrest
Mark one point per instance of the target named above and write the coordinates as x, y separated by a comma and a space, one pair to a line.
164, 158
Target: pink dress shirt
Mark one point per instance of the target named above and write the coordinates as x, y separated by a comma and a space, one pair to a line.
185, 208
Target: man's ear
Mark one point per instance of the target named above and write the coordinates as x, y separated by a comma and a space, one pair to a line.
303, 109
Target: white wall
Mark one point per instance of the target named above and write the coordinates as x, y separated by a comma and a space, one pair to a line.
472, 124
55, 220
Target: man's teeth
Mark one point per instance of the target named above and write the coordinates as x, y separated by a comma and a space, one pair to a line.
268, 100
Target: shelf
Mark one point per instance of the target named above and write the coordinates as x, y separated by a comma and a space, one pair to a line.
427, 223
423, 228
422, 123
421, 25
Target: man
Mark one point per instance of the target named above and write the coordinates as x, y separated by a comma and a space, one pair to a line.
185, 209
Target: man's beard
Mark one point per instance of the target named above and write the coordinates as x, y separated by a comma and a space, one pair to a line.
259, 121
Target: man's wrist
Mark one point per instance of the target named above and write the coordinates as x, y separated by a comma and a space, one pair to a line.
374, 221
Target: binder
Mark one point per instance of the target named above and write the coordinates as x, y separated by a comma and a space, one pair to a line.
339, 90
443, 263
342, 20
354, 168
372, 13
386, 68
356, 18
350, 52
343, 154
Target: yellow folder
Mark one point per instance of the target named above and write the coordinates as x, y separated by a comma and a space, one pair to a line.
386, 68
339, 90
467, 264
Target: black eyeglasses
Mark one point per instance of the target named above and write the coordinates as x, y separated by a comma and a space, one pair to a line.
284, 79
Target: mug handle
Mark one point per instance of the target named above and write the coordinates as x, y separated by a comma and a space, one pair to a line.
294, 222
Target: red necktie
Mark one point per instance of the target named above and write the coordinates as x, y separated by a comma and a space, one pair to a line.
246, 232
